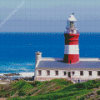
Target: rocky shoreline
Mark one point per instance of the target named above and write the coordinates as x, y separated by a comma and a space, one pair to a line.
11, 74
28, 76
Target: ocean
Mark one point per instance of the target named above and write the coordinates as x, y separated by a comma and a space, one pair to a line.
17, 50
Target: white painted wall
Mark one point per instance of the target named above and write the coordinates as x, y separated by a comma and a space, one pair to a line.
85, 74
61, 74
52, 74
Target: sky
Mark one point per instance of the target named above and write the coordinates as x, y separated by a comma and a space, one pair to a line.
48, 15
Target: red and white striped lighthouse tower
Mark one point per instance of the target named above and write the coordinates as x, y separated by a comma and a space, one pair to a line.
71, 51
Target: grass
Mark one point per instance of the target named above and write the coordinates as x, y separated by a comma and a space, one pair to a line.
56, 89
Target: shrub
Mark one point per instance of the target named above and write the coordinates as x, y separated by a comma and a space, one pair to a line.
35, 83
25, 89
92, 84
88, 85
98, 92
27, 86
19, 84
80, 85
12, 93
21, 93
82, 98
15, 98
61, 81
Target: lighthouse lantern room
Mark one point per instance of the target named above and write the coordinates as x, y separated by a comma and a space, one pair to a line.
71, 25
71, 51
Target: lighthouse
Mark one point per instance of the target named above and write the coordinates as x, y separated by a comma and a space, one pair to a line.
71, 50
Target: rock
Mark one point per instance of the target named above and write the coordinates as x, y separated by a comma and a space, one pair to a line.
11, 74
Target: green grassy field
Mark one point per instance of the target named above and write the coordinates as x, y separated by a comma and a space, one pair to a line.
56, 89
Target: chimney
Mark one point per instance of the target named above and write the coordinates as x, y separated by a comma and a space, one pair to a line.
38, 56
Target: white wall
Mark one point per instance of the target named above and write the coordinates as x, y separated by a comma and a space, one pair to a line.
61, 74
52, 73
85, 74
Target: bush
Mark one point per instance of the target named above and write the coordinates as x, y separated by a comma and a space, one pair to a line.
98, 92
15, 98
61, 81
12, 93
88, 85
25, 89
80, 85
27, 86
92, 84
19, 84
82, 98
21, 93
35, 83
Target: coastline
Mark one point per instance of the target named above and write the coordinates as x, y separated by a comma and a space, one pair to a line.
3, 76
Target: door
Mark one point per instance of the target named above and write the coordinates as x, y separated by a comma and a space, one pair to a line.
69, 74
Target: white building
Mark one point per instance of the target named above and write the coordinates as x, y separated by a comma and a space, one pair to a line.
71, 66
50, 68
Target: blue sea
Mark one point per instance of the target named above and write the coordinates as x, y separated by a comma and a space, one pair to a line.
17, 50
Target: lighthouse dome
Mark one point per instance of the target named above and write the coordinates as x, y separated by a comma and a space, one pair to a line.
71, 18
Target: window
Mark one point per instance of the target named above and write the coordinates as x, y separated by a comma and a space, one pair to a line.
39, 72
64, 73
48, 72
56, 72
71, 24
81, 72
73, 72
98, 73
90, 73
